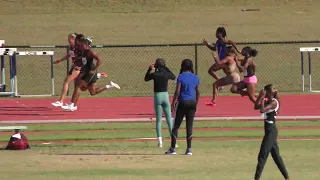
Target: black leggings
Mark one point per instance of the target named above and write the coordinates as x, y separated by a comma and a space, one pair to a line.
183, 109
269, 145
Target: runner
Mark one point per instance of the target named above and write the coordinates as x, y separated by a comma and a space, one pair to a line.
219, 46
248, 67
230, 67
89, 77
75, 68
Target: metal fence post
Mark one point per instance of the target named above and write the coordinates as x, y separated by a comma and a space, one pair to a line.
196, 58
52, 75
68, 66
302, 71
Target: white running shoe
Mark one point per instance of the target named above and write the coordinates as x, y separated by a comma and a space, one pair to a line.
57, 104
115, 85
69, 107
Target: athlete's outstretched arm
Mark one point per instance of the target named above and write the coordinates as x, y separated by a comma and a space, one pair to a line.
175, 96
221, 62
209, 45
233, 44
97, 57
61, 59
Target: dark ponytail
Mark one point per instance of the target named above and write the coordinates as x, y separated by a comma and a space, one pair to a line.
253, 52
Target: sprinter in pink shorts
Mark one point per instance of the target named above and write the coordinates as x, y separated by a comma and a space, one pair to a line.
248, 67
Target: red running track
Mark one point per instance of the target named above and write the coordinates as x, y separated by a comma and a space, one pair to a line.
142, 107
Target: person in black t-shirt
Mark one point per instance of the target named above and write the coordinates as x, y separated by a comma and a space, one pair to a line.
161, 76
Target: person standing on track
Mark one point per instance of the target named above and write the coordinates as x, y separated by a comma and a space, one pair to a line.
160, 76
185, 102
269, 143
89, 77
230, 66
248, 67
219, 46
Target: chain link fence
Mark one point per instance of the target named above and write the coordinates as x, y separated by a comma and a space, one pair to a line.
277, 62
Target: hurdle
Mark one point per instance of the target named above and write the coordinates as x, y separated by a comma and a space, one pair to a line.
308, 50
12, 127
37, 53
11, 53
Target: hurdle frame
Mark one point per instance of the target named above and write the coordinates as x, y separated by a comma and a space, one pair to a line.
3, 79
38, 53
308, 50
12, 60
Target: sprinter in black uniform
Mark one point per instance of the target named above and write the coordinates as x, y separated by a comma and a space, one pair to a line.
269, 142
90, 75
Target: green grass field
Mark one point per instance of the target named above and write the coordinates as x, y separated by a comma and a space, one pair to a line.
103, 150
153, 22
74, 158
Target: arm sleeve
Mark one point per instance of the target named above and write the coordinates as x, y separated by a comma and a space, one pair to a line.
148, 75
171, 75
178, 80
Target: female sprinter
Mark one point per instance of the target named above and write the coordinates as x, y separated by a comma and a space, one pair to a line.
76, 66
88, 79
220, 45
248, 67
160, 76
185, 102
269, 143
230, 68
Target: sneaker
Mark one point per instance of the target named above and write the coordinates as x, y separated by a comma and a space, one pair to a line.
213, 104
171, 151
177, 145
188, 152
220, 88
101, 74
160, 145
57, 104
69, 107
115, 85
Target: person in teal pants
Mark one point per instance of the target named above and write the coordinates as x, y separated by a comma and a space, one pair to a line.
160, 74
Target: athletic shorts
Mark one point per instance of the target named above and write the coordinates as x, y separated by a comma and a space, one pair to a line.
250, 80
232, 79
72, 68
90, 78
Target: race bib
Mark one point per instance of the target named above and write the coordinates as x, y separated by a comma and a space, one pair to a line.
71, 53
84, 61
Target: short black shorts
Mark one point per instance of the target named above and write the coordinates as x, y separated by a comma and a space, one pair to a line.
90, 78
